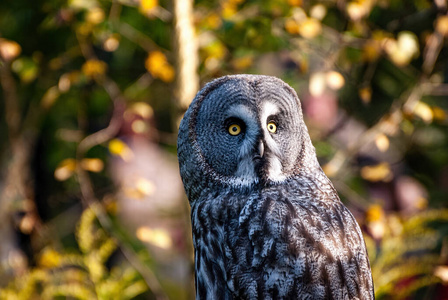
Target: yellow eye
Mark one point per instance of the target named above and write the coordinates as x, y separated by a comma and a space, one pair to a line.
272, 127
234, 129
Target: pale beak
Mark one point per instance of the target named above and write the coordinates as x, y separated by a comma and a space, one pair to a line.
260, 148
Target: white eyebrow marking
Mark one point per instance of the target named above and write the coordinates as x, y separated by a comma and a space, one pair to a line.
268, 109
241, 111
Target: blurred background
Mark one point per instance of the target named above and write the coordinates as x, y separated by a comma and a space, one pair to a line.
91, 94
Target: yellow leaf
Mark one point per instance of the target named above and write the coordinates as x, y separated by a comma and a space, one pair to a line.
295, 2
119, 148
371, 50
365, 94
423, 111
382, 142
438, 113
330, 169
167, 73
310, 28
158, 66
142, 109
49, 258
335, 80
407, 127
421, 203
139, 189
442, 273
55, 63
334, 165
95, 15
377, 229
375, 219
147, 6
228, 10
50, 97
242, 63
92, 164
65, 169
442, 25
111, 43
374, 213
402, 50
94, 68
408, 43
145, 186
111, 206
67, 79
132, 192
215, 49
26, 69
27, 223
356, 10
84, 28
303, 65
379, 172
291, 26
318, 11
213, 21
116, 146
81, 4
9, 49
139, 126
317, 84
158, 237
64, 83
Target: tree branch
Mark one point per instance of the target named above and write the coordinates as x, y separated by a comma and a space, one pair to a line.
187, 83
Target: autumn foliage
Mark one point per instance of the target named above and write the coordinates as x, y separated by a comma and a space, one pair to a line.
91, 95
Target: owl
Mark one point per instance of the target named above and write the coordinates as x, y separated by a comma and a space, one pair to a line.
266, 221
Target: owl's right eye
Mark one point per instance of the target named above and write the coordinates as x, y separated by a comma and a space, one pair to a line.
234, 129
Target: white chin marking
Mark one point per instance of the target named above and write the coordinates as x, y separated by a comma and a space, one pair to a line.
275, 172
246, 171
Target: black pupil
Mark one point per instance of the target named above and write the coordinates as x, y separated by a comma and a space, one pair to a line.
234, 129
271, 126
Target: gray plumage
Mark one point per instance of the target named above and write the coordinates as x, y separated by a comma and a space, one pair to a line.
267, 223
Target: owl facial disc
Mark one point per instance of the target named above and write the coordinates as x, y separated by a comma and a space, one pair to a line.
259, 156
246, 130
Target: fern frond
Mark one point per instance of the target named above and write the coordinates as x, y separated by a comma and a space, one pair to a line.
75, 290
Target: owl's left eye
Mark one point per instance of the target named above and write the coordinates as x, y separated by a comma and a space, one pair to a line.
234, 129
272, 127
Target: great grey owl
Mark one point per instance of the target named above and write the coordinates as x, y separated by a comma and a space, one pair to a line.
267, 223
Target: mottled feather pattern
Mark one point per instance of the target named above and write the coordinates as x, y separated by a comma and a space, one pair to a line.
280, 245
271, 235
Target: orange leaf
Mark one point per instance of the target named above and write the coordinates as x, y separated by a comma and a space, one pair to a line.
65, 169
310, 28
158, 237
93, 68
9, 49
382, 142
92, 164
379, 172
119, 148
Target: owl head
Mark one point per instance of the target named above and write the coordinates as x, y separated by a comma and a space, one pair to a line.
243, 130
